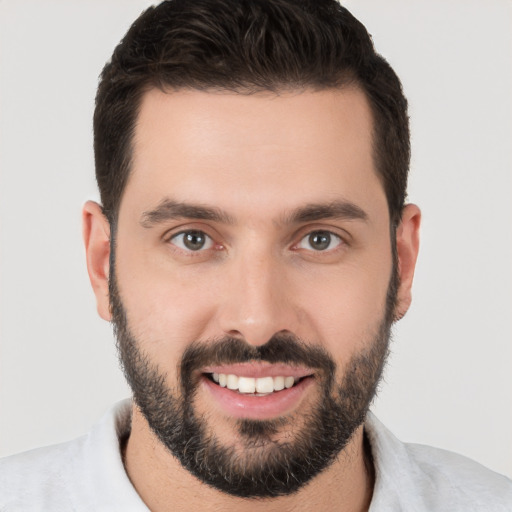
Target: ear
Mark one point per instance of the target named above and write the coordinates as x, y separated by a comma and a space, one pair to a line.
96, 233
407, 245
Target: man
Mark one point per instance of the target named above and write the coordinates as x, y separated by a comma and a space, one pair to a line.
252, 249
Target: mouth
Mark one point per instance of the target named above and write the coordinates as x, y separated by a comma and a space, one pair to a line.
257, 391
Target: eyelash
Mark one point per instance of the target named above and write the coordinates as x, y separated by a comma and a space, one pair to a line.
324, 233
328, 236
192, 233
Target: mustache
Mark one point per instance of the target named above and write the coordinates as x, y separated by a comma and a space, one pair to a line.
281, 348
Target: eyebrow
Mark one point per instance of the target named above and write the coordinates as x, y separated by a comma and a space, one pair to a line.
169, 209
341, 210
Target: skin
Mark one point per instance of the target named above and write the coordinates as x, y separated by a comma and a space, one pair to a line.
257, 158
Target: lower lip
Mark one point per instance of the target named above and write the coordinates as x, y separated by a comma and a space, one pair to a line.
273, 405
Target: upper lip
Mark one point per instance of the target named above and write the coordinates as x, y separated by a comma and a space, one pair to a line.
260, 369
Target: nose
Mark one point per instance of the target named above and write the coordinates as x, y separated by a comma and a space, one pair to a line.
258, 302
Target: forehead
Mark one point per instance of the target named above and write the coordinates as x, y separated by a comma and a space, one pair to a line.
220, 147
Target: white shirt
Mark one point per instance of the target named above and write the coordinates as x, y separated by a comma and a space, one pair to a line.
87, 474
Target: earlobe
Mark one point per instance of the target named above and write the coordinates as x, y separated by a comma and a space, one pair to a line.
407, 245
96, 234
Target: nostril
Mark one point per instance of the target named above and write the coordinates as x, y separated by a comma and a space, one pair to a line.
236, 334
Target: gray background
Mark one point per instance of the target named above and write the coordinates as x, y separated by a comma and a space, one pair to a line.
449, 381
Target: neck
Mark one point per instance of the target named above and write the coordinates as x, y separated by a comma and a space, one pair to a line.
164, 485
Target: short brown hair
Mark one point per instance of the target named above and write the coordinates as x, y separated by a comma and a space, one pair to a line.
246, 46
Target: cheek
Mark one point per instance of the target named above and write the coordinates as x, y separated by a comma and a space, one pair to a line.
167, 308
348, 307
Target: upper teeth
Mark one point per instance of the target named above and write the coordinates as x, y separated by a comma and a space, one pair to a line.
251, 384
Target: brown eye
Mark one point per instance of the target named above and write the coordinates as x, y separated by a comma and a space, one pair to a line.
192, 240
320, 241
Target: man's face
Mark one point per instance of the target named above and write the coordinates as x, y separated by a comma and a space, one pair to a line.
253, 247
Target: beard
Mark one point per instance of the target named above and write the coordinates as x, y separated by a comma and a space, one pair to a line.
267, 465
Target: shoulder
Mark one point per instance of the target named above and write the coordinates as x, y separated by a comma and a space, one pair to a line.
422, 478
459, 481
28, 480
81, 475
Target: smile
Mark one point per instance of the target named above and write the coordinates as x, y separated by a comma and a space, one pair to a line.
256, 390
